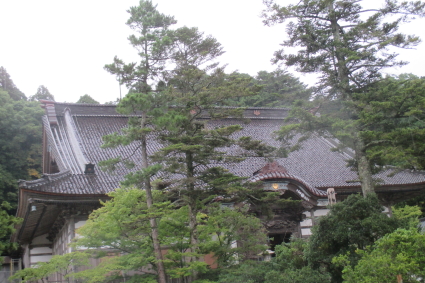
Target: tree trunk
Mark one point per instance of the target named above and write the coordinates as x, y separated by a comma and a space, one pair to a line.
193, 223
363, 166
149, 202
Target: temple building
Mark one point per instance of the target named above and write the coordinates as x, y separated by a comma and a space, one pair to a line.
54, 206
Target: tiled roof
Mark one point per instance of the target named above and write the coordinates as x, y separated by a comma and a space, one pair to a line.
275, 171
75, 137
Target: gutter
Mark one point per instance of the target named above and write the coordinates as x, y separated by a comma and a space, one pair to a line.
381, 191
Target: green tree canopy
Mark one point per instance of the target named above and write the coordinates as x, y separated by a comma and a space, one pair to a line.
123, 225
8, 85
289, 266
348, 46
353, 224
398, 254
152, 40
276, 89
42, 93
392, 114
20, 144
87, 99
7, 227
20, 157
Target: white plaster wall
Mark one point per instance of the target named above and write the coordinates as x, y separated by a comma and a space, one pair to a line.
321, 212
305, 231
26, 256
40, 240
60, 242
80, 223
40, 258
306, 222
41, 250
307, 214
70, 234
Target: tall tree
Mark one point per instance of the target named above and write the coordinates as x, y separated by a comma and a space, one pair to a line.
20, 157
348, 45
152, 41
193, 150
8, 85
42, 93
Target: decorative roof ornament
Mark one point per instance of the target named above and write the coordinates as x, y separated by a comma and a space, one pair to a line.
50, 111
89, 168
273, 167
275, 171
331, 196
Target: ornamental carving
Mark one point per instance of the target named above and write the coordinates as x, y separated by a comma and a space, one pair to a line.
273, 167
280, 224
306, 205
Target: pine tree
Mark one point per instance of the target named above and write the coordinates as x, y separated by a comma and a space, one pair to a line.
192, 149
152, 42
348, 45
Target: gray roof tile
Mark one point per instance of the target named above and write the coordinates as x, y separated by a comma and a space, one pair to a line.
315, 164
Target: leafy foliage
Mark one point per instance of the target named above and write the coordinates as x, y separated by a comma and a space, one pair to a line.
8, 85
7, 227
61, 264
170, 113
289, 266
353, 224
119, 234
20, 144
42, 93
393, 121
224, 227
192, 149
400, 253
152, 41
345, 42
277, 89
87, 99
348, 45
122, 225
247, 272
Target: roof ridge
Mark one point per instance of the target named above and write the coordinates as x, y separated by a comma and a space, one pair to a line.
45, 178
115, 105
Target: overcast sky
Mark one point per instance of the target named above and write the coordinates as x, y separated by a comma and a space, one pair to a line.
64, 45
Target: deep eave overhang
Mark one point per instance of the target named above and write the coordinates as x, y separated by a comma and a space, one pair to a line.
28, 198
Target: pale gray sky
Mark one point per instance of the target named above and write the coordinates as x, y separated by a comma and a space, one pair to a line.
65, 44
